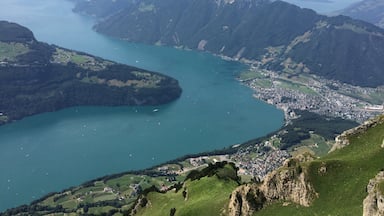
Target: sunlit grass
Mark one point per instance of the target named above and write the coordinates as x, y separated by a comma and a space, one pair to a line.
342, 188
207, 196
316, 145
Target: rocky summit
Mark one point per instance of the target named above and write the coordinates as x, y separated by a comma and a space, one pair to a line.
374, 203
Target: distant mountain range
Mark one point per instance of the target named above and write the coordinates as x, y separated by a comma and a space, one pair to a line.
368, 10
36, 77
272, 34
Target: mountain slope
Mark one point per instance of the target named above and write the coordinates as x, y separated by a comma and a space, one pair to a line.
333, 47
331, 185
368, 10
203, 195
341, 177
36, 77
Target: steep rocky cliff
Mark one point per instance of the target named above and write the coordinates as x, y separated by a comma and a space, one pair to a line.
373, 204
289, 184
245, 200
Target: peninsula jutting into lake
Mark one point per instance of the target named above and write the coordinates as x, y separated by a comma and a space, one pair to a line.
210, 152
37, 77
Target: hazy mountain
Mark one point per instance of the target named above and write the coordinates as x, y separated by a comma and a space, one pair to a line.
333, 47
36, 77
101, 8
368, 10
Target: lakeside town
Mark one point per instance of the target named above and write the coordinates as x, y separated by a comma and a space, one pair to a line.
304, 92
260, 164
254, 161
315, 94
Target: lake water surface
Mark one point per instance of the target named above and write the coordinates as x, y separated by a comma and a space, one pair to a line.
52, 151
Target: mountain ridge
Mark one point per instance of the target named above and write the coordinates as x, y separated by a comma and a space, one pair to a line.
367, 10
251, 30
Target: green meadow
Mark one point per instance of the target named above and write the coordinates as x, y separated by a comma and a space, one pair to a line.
342, 188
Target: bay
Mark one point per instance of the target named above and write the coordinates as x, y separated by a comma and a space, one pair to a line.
52, 151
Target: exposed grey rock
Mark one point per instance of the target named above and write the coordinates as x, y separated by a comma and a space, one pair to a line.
289, 183
373, 204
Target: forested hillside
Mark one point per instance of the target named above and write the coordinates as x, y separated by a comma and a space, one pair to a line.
272, 34
36, 77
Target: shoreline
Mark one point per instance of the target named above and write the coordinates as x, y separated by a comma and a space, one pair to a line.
317, 96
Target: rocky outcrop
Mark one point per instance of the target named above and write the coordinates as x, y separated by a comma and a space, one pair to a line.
342, 140
289, 183
373, 204
245, 200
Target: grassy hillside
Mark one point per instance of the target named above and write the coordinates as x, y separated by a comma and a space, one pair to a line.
207, 196
342, 187
339, 178
205, 192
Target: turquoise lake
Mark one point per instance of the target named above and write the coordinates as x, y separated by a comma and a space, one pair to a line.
53, 151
